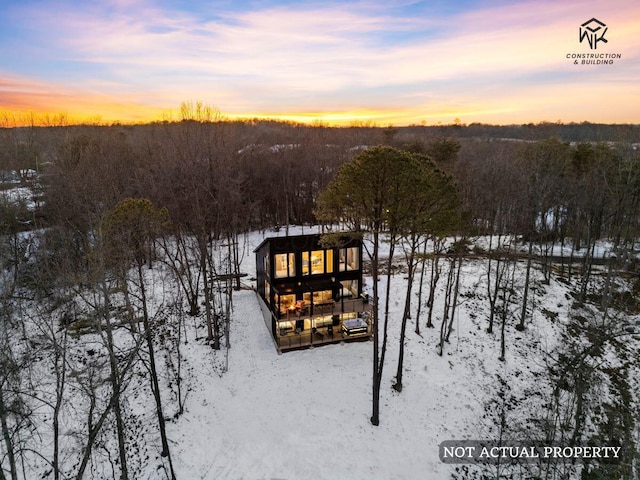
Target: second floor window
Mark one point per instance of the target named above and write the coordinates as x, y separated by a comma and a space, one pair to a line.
285, 265
317, 262
349, 259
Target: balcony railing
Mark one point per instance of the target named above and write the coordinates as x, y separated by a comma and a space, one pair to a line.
292, 338
334, 307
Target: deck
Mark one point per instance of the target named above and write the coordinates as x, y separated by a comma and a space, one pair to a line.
337, 307
292, 340
306, 327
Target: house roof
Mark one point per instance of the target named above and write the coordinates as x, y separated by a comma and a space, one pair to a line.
302, 240
288, 238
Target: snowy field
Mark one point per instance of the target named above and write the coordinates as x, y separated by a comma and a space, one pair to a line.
305, 414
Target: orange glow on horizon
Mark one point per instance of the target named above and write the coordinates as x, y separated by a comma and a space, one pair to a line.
117, 114
104, 113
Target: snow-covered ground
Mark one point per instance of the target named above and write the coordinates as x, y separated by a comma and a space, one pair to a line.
19, 196
305, 414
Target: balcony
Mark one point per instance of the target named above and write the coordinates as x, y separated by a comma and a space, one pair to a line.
305, 332
334, 321
301, 310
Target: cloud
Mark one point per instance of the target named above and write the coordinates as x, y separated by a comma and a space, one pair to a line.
349, 57
23, 95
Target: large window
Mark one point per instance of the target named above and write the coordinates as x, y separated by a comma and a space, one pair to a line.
329, 260
287, 304
349, 288
349, 258
317, 262
285, 265
322, 298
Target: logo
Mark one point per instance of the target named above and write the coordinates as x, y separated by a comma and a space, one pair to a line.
594, 31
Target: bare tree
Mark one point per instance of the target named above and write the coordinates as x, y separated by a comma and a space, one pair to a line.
130, 228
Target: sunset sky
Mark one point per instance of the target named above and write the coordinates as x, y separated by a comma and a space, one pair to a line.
387, 62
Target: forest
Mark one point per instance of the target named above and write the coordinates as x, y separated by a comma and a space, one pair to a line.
89, 214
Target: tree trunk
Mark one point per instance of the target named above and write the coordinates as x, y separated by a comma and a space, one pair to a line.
587, 269
155, 388
525, 293
179, 263
406, 314
506, 289
447, 306
433, 283
114, 377
456, 290
607, 288
423, 262
6, 436
236, 260
493, 293
212, 324
576, 435
93, 432
60, 362
375, 415
503, 317
179, 361
375, 418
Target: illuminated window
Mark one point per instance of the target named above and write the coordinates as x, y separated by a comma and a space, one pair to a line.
305, 263
281, 265
349, 288
329, 261
317, 262
292, 265
287, 304
322, 298
349, 258
285, 265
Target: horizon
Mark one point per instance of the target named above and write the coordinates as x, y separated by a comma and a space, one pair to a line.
331, 64
30, 119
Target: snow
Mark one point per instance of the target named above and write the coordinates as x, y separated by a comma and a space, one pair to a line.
302, 414
19, 196
305, 414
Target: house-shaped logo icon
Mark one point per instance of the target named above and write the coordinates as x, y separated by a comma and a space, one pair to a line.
594, 31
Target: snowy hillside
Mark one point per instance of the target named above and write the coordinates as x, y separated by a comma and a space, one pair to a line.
251, 413
305, 414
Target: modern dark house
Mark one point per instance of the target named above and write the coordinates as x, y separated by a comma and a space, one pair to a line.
309, 294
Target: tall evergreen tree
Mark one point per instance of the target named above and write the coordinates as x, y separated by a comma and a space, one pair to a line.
374, 194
